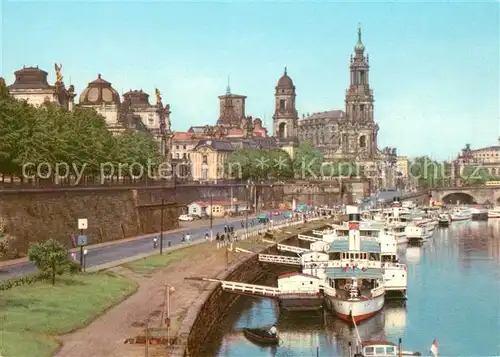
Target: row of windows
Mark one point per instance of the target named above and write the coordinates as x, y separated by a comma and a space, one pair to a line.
354, 255
184, 156
382, 351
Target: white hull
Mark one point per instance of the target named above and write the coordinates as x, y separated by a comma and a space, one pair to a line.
359, 309
456, 218
493, 214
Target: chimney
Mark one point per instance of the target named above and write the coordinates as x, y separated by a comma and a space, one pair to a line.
354, 235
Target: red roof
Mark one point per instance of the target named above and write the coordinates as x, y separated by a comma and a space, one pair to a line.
200, 203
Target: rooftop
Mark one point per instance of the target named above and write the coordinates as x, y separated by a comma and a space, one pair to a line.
342, 245
327, 115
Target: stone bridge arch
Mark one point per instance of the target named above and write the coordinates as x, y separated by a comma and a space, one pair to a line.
458, 197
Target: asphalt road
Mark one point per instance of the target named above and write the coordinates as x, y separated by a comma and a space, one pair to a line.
117, 251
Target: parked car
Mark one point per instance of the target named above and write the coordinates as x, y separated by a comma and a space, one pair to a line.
185, 217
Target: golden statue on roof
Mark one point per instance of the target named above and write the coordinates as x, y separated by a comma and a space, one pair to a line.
158, 96
59, 76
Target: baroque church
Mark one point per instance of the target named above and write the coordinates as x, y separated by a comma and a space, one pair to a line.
134, 111
348, 135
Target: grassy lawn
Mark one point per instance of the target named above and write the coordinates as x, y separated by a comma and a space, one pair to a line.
31, 314
150, 264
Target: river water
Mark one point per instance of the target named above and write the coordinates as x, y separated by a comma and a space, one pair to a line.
453, 296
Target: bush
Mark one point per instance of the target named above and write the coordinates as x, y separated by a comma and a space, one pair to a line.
51, 258
7, 241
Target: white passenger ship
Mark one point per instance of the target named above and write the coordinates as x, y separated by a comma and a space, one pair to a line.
354, 287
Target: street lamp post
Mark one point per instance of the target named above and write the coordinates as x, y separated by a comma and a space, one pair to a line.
168, 290
211, 216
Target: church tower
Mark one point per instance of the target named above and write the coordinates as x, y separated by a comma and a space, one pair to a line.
285, 118
359, 105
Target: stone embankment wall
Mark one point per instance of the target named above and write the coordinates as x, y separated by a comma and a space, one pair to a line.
112, 214
211, 306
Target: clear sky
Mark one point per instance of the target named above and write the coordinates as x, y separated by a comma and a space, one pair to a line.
434, 66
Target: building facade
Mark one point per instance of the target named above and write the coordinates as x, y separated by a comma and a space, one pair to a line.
201, 152
487, 157
31, 84
348, 135
133, 112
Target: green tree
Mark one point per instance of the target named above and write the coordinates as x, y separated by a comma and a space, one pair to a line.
281, 164
307, 161
51, 258
429, 172
475, 175
79, 138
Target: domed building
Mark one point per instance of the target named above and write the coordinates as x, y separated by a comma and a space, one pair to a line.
31, 84
102, 97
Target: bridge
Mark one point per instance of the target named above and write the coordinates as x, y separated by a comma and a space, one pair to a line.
467, 194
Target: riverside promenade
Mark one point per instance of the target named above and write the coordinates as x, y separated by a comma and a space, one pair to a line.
109, 252
106, 335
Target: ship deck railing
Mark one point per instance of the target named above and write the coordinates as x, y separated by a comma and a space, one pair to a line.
279, 259
291, 248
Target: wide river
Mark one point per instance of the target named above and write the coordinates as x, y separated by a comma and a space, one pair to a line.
453, 296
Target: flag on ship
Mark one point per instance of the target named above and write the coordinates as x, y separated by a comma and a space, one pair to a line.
434, 348
354, 226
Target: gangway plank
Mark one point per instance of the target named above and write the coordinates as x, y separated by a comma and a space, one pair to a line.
279, 259
291, 248
309, 238
243, 288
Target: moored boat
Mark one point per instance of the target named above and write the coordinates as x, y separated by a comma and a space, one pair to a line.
383, 349
460, 214
416, 234
299, 292
444, 219
494, 212
354, 287
261, 336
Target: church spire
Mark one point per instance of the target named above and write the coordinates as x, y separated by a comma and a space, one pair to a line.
285, 71
228, 88
359, 48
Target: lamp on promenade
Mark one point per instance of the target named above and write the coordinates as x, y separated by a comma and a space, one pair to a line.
166, 310
211, 215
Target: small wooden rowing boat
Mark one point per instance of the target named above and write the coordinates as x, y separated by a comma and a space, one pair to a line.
260, 336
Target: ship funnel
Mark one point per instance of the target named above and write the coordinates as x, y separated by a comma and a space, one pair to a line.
396, 203
354, 235
353, 213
